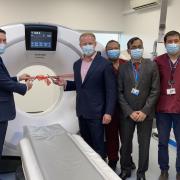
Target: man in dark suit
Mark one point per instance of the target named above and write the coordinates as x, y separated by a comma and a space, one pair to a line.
138, 87
94, 82
8, 85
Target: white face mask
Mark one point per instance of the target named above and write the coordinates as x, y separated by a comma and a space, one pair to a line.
88, 50
113, 54
137, 53
172, 48
2, 48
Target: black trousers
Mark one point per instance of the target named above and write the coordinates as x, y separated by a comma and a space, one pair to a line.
3, 129
92, 131
144, 130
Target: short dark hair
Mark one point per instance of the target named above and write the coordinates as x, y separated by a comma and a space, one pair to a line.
130, 42
171, 33
2, 31
112, 41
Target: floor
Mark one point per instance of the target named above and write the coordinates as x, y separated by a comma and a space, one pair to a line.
153, 172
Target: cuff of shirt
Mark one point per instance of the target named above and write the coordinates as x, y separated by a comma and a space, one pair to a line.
65, 85
26, 88
18, 78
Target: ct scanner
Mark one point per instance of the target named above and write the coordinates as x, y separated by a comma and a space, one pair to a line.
57, 123
60, 61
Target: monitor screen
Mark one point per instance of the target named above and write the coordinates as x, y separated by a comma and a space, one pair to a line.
40, 37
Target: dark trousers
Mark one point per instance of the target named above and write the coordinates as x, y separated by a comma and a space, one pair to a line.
112, 131
92, 131
144, 130
3, 128
164, 123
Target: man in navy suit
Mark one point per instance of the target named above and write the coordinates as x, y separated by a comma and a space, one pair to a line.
8, 85
94, 82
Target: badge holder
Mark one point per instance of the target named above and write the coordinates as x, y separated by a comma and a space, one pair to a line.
171, 90
135, 91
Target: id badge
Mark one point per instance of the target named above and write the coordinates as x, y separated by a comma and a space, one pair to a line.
135, 91
171, 91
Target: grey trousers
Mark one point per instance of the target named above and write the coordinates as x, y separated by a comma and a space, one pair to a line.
144, 130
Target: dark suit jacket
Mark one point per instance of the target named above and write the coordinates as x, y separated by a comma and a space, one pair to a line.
96, 96
8, 85
149, 87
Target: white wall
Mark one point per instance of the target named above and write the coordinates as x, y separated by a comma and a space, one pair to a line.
76, 14
101, 15
145, 24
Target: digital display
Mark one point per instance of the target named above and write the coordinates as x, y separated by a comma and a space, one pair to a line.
41, 39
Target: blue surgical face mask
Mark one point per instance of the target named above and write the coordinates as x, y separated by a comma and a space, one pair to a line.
137, 53
172, 48
2, 48
88, 50
113, 54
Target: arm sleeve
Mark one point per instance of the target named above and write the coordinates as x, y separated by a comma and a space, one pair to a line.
70, 86
10, 84
154, 93
14, 79
127, 110
111, 89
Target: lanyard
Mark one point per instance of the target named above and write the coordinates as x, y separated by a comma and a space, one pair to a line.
136, 74
173, 69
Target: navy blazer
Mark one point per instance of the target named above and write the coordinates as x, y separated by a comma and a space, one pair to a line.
8, 85
96, 96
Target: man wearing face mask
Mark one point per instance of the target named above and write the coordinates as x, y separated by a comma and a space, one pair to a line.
113, 128
8, 85
94, 82
138, 88
168, 108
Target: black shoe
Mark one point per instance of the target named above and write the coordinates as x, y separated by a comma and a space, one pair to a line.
112, 164
133, 166
141, 177
164, 175
125, 174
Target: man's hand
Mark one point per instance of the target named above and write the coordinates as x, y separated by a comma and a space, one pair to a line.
29, 84
59, 81
138, 116
24, 77
142, 116
106, 119
134, 116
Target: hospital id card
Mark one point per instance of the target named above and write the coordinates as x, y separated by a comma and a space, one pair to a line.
171, 91
135, 91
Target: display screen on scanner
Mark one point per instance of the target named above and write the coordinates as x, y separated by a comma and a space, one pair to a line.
41, 39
